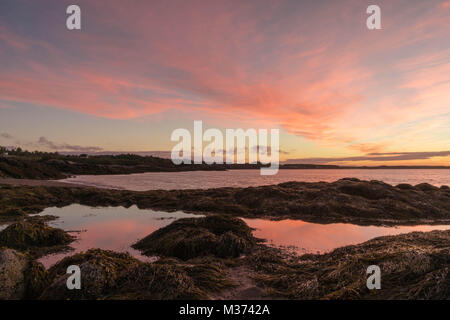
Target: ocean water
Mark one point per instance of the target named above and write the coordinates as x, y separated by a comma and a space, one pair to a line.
245, 178
117, 228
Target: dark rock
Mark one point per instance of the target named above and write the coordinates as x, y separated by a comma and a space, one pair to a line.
426, 187
100, 269
156, 281
230, 245
25, 235
346, 200
36, 279
111, 275
223, 236
13, 265
405, 186
413, 266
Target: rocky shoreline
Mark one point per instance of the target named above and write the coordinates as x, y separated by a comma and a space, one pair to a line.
218, 258
347, 200
40, 165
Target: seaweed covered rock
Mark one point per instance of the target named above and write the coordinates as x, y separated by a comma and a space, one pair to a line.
230, 245
11, 214
13, 265
100, 270
111, 275
25, 236
156, 282
222, 236
413, 266
347, 200
36, 279
20, 277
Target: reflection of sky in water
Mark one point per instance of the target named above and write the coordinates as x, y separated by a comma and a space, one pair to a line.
313, 237
112, 228
116, 228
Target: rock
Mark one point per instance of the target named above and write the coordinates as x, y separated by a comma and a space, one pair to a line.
100, 270
13, 212
425, 187
231, 245
156, 282
413, 266
222, 236
373, 191
346, 200
405, 186
37, 279
111, 275
25, 235
13, 265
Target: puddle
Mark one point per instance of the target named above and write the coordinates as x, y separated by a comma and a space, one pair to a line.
304, 237
110, 228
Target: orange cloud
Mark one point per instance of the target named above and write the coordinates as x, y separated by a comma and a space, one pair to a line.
312, 69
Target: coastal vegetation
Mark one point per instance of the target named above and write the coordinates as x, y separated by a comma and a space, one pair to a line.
22, 164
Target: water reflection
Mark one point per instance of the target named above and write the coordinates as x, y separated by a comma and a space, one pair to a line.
303, 237
116, 228
112, 228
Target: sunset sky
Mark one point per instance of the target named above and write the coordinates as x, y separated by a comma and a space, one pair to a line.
137, 70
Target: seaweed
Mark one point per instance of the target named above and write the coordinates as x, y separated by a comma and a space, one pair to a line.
413, 266
188, 238
36, 238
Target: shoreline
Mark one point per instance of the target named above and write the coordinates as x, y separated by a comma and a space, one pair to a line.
348, 200
43, 183
222, 260
228, 264
26, 165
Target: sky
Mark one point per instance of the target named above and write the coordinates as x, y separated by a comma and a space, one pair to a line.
339, 92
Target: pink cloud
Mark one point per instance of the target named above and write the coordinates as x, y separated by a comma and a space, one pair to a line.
311, 71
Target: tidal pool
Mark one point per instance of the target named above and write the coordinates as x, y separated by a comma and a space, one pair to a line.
110, 228
117, 228
304, 237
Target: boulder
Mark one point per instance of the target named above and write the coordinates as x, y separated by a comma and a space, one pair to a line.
25, 235
221, 236
13, 265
